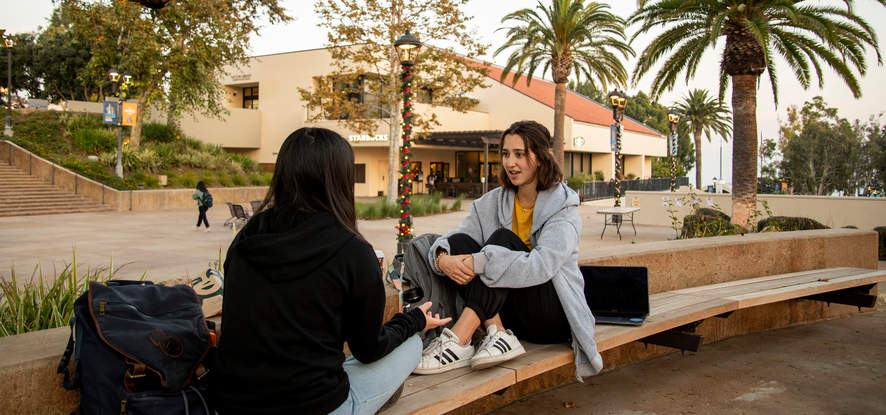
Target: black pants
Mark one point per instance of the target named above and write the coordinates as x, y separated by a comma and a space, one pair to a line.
532, 313
202, 217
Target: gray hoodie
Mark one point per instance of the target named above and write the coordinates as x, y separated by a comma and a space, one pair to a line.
556, 228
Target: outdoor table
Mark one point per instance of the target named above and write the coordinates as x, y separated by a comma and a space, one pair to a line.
617, 215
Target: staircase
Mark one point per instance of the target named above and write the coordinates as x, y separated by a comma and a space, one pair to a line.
22, 195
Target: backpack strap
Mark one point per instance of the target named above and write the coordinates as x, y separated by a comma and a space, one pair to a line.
71, 382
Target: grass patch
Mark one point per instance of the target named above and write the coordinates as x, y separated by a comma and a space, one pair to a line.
420, 205
44, 303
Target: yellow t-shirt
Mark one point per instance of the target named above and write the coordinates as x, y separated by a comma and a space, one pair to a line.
522, 222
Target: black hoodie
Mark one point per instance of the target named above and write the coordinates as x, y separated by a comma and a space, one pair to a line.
294, 293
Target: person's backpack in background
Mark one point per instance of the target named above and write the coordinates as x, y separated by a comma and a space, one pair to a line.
138, 348
421, 285
207, 200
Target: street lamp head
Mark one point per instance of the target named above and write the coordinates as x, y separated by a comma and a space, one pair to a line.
127, 78
114, 75
618, 101
9, 42
407, 48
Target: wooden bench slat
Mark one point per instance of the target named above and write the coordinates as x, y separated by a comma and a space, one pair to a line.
538, 359
454, 392
806, 289
755, 284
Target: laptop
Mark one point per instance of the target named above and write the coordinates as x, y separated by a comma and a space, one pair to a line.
617, 295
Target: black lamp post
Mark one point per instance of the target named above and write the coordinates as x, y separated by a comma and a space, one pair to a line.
8, 43
618, 101
673, 119
407, 48
114, 76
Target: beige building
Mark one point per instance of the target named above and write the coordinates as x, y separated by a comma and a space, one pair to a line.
265, 107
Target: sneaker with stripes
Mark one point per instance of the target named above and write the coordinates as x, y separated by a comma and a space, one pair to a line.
445, 353
498, 346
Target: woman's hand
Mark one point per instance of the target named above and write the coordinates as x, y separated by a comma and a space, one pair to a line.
432, 321
459, 268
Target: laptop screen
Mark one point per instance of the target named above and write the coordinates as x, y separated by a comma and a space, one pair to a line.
617, 291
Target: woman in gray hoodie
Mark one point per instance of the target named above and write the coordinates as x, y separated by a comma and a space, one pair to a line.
514, 260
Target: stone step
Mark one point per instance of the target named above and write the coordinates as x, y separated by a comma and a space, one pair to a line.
33, 212
44, 196
55, 203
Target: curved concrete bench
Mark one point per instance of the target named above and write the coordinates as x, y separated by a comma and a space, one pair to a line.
29, 383
670, 313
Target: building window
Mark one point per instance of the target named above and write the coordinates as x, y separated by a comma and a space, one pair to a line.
250, 97
360, 173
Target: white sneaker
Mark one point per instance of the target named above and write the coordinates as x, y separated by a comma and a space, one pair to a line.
498, 346
445, 353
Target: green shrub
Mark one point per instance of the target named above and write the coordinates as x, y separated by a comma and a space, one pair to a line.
44, 303
260, 178
94, 140
577, 181
704, 222
881, 231
238, 180
224, 179
74, 121
207, 178
788, 223
98, 172
420, 205
159, 133
185, 180
598, 175
148, 180
248, 164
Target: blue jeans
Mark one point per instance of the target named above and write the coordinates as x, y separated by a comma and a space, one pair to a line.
374, 383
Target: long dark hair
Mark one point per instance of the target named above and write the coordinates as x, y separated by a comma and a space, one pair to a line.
536, 139
314, 173
202, 187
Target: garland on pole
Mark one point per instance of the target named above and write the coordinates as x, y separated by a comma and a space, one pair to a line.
673, 151
404, 227
618, 166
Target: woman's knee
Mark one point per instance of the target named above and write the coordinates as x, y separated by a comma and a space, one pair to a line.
508, 239
461, 243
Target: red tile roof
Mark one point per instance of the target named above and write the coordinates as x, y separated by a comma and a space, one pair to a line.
578, 107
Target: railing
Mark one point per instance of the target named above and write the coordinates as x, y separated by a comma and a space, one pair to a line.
602, 190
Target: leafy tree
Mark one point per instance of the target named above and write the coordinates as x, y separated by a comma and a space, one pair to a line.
187, 41
362, 91
769, 151
23, 79
62, 55
707, 115
875, 149
566, 35
807, 36
822, 155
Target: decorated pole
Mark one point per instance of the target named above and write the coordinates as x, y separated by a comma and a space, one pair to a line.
673, 119
407, 47
618, 101
404, 227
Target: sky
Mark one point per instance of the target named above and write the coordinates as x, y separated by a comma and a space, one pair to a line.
303, 33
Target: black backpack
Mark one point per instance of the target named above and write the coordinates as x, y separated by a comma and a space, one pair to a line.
138, 348
207, 200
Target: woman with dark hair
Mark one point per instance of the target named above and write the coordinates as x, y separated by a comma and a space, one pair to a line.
514, 260
300, 281
200, 196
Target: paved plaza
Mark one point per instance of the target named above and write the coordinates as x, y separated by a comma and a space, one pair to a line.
163, 245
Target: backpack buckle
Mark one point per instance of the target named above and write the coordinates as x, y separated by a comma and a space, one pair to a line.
135, 370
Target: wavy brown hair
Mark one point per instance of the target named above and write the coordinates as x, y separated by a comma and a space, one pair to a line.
537, 140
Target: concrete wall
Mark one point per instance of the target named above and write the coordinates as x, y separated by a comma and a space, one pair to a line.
835, 212
29, 384
84, 106
241, 128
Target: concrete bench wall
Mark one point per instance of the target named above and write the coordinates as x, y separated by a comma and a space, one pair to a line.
28, 383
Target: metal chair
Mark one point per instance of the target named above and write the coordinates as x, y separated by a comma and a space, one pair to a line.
255, 205
238, 215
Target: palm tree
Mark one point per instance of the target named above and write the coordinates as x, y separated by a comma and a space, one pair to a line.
567, 35
806, 36
706, 115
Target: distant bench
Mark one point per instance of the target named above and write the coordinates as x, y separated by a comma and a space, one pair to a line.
673, 318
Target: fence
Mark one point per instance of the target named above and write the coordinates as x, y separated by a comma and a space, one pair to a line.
602, 190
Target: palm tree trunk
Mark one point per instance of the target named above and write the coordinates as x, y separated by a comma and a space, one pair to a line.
697, 136
744, 148
559, 122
